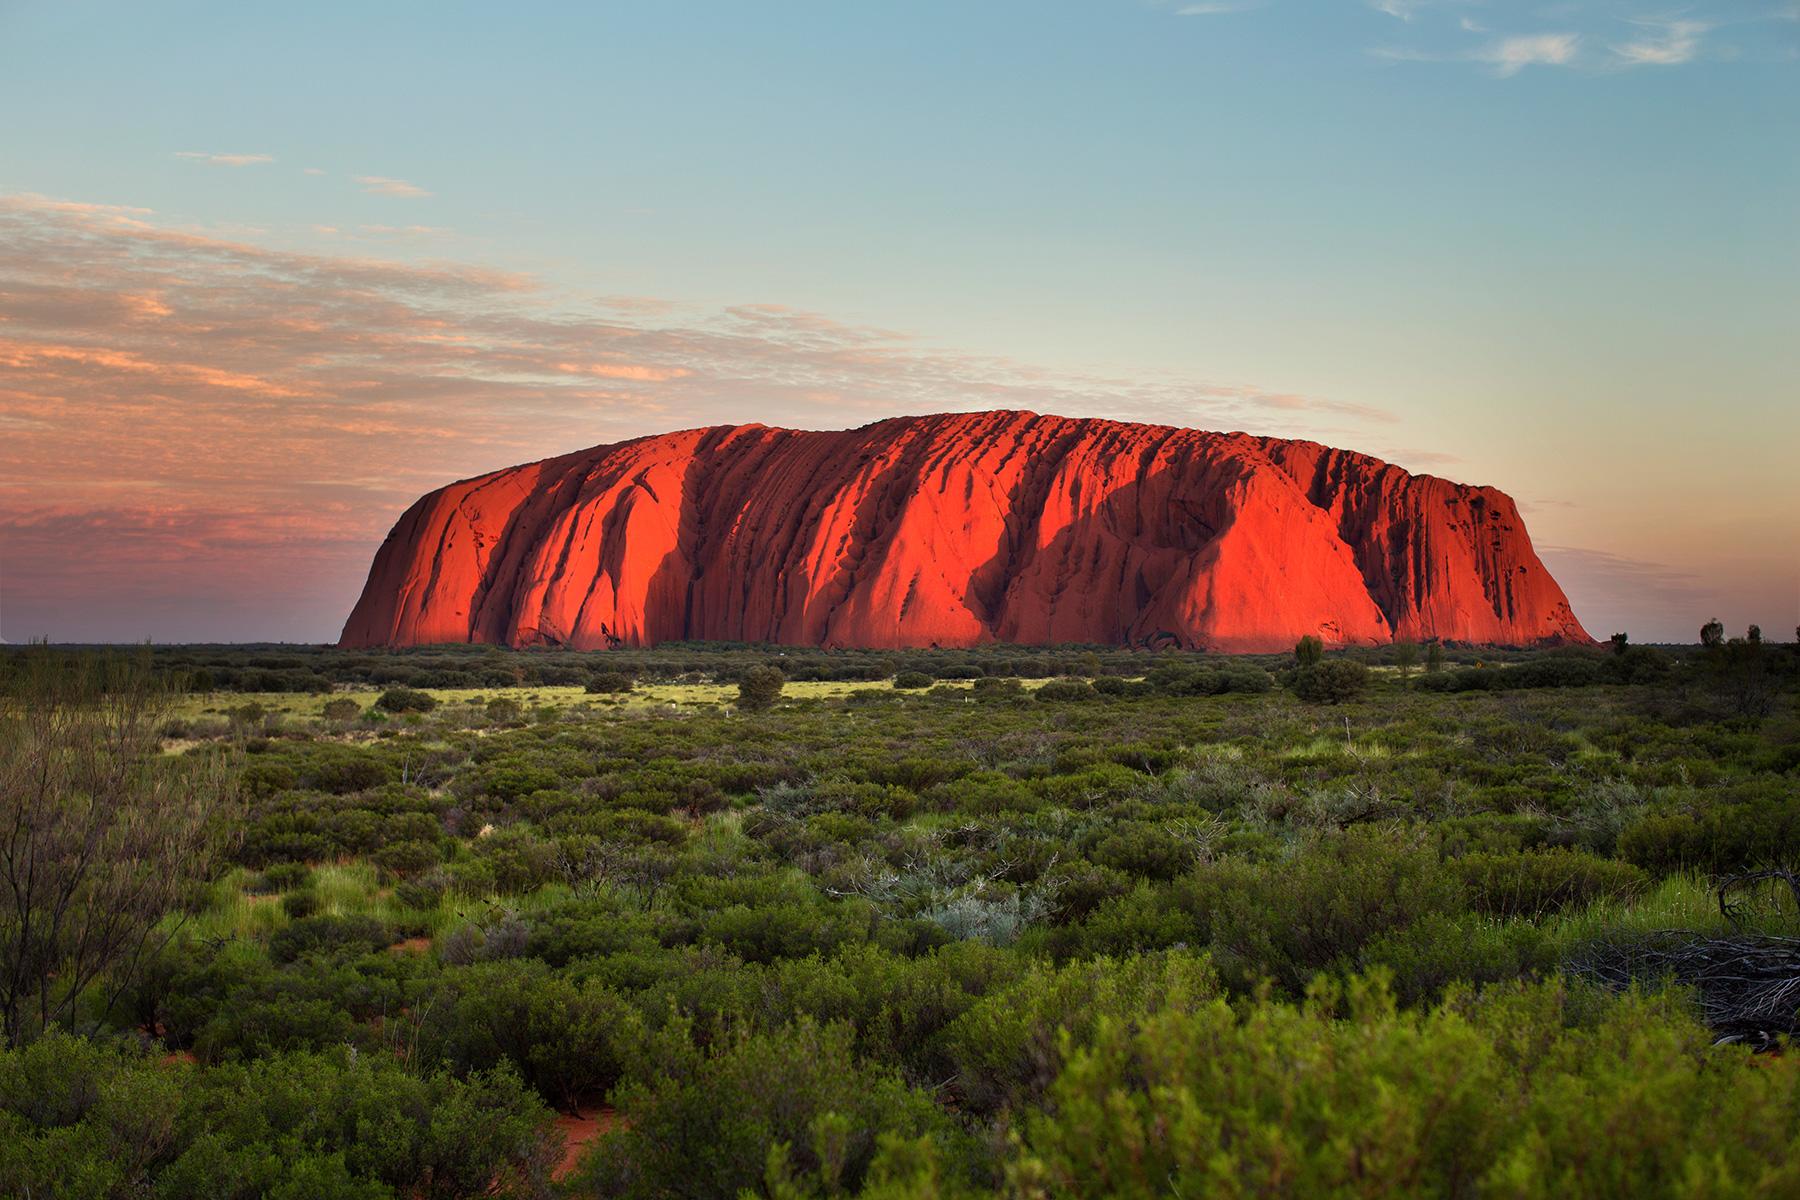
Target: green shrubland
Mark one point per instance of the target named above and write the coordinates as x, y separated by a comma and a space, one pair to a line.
1050, 922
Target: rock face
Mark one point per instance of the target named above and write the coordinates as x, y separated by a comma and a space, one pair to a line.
955, 530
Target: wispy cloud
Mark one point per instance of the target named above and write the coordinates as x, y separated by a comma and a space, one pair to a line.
1595, 39
312, 170
1670, 44
381, 185
1285, 402
1214, 8
1508, 56
1403, 10
403, 231
225, 160
191, 415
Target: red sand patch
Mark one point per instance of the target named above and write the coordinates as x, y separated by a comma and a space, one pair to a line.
578, 1130
411, 945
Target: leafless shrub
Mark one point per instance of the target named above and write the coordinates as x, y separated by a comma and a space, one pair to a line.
101, 836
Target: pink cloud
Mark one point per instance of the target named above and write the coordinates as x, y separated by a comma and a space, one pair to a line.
193, 415
381, 185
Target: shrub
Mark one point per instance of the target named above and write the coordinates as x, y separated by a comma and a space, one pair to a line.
424, 892
913, 680
86, 1120
1536, 1090
1058, 690
342, 710
503, 710
1539, 882
408, 857
1009, 1047
712, 1126
406, 700
1331, 682
572, 1042
325, 934
301, 904
760, 688
503, 937
283, 877
609, 683
1441, 951
1319, 909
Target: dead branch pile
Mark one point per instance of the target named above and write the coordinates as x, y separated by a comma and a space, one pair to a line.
1747, 982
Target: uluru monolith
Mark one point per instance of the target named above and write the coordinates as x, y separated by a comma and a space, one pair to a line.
956, 530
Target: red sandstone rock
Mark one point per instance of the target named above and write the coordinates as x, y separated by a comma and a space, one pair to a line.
955, 530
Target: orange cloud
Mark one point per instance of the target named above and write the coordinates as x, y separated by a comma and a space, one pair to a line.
381, 185
639, 374
201, 437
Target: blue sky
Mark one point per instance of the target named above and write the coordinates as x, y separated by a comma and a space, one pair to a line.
1549, 247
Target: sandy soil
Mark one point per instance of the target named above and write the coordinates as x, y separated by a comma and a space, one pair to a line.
579, 1129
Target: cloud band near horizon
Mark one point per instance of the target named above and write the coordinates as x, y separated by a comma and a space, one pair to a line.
206, 438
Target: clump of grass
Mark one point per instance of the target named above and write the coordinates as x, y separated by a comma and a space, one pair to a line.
347, 888
1680, 902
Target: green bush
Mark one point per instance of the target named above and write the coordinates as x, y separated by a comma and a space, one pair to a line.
993, 688
711, 1126
82, 1120
300, 904
913, 680
759, 688
1009, 1047
341, 710
328, 934
1290, 921
1062, 690
1537, 883
1331, 682
284, 877
1530, 1091
406, 700
573, 1043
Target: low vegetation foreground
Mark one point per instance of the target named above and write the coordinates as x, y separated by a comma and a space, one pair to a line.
711, 921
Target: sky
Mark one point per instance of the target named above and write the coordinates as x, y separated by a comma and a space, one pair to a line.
270, 272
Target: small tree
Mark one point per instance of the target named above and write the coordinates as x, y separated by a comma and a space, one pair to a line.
1620, 643
1712, 634
1308, 651
1434, 657
100, 834
759, 688
1331, 682
1406, 656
